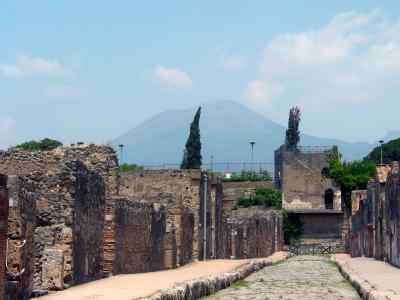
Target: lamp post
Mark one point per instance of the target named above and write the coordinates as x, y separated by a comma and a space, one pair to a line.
120, 147
252, 166
381, 142
212, 164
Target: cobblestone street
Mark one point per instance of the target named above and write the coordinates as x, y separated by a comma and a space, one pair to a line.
300, 277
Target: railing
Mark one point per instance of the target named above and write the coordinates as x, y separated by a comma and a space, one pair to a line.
233, 168
309, 206
315, 149
316, 249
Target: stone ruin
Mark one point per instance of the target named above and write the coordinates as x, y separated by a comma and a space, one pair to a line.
309, 192
375, 222
73, 218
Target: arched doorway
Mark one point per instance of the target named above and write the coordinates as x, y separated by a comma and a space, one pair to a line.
329, 199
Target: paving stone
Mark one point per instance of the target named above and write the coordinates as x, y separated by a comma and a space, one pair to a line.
300, 277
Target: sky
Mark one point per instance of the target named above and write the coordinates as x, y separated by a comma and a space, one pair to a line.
91, 70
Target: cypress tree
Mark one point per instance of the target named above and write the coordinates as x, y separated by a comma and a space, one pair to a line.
192, 153
293, 133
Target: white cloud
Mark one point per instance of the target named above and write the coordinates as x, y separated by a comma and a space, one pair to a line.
260, 94
59, 92
173, 77
232, 62
351, 59
26, 65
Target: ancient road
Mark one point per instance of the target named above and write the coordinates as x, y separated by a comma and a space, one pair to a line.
300, 277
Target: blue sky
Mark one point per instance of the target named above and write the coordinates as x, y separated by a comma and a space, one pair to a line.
91, 70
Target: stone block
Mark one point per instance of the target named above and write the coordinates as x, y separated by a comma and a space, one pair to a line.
53, 269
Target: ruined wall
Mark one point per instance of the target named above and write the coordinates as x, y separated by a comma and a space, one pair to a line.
3, 232
21, 227
182, 193
139, 236
303, 178
251, 232
97, 158
375, 226
61, 215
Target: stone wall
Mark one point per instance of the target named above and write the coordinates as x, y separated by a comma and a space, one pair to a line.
181, 191
58, 204
97, 158
321, 226
233, 191
21, 231
251, 232
3, 232
140, 236
304, 179
375, 226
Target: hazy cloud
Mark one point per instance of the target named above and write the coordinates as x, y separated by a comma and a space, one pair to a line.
232, 62
26, 65
59, 92
261, 95
173, 77
353, 58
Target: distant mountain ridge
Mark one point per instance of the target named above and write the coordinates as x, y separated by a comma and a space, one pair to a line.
226, 129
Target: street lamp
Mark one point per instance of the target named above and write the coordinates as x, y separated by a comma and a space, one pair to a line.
381, 142
120, 147
211, 163
252, 166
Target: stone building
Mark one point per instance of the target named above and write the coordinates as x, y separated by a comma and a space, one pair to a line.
308, 191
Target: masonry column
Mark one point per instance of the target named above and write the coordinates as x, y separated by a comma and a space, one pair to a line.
3, 232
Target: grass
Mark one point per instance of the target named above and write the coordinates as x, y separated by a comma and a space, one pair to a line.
276, 263
241, 283
330, 262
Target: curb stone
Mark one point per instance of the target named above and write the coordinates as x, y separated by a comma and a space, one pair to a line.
362, 286
203, 286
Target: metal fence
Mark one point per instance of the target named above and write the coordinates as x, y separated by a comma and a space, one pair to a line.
233, 168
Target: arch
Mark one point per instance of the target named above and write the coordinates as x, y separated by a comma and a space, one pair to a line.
326, 172
329, 195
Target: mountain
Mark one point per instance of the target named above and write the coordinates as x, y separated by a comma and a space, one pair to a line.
226, 129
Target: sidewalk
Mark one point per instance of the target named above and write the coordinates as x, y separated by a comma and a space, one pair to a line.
134, 286
374, 279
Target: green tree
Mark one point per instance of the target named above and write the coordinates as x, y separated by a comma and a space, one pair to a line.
292, 133
390, 152
43, 145
351, 176
192, 153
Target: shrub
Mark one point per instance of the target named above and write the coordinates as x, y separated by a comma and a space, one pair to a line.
263, 197
43, 145
130, 167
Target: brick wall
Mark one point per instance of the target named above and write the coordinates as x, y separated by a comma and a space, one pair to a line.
3, 232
